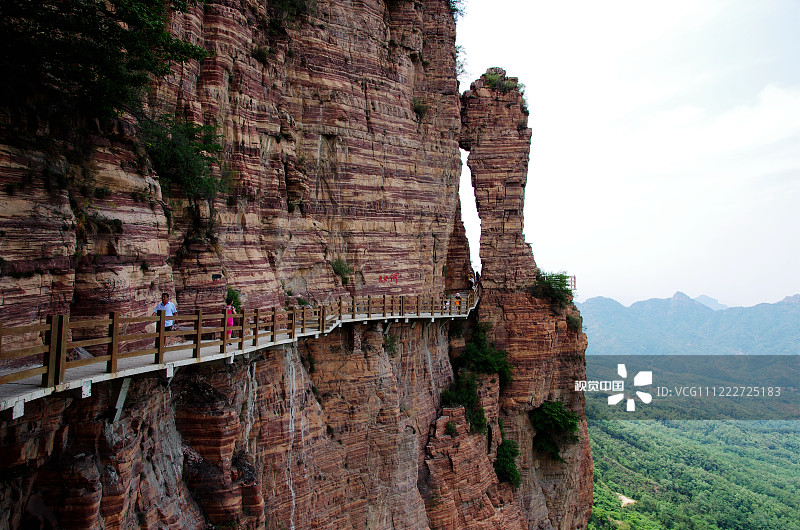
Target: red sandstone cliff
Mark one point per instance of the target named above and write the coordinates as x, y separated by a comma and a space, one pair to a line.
330, 160
548, 357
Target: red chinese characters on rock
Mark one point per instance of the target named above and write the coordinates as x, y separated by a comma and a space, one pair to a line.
388, 278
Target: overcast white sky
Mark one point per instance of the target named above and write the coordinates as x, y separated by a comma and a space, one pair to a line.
666, 141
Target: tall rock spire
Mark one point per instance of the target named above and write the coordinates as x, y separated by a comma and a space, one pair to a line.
496, 134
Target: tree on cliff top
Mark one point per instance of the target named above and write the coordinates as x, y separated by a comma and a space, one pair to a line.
86, 57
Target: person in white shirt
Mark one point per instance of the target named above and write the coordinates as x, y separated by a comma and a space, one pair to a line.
169, 310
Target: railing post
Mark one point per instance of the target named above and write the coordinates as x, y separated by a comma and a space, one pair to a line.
369, 305
303, 321
162, 337
452, 303
293, 331
198, 336
433, 305
255, 330
61, 352
419, 298
51, 340
341, 309
322, 323
113, 347
240, 342
403, 305
274, 324
384, 306
353, 298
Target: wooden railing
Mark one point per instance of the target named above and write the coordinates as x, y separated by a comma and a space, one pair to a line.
118, 337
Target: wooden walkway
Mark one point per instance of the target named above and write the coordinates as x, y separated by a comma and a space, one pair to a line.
123, 346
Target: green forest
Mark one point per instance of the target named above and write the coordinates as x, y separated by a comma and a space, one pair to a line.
706, 475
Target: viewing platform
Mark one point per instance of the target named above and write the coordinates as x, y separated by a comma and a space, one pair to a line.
122, 346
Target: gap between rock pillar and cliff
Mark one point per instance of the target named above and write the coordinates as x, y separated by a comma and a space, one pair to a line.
546, 354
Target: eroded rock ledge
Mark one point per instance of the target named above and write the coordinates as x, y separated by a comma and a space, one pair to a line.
343, 136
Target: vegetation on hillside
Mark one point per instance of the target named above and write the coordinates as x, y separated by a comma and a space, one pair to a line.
183, 153
505, 466
711, 475
682, 326
69, 61
456, 7
235, 297
464, 391
342, 269
479, 357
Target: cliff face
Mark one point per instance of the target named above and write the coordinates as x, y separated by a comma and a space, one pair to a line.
340, 135
326, 155
548, 357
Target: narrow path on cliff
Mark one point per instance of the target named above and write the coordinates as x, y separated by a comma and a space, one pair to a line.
122, 347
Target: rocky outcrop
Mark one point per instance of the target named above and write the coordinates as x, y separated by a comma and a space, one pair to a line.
63, 462
547, 356
463, 489
340, 135
496, 134
328, 434
326, 156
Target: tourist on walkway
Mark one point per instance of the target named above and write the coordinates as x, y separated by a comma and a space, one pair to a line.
230, 310
169, 310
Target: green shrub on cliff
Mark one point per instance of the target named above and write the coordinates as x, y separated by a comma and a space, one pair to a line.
464, 391
234, 296
86, 57
342, 269
420, 108
183, 153
555, 286
506, 466
554, 426
456, 8
503, 83
574, 323
483, 357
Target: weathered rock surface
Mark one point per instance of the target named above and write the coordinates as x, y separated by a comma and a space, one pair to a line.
328, 156
496, 134
268, 442
546, 355
64, 462
341, 135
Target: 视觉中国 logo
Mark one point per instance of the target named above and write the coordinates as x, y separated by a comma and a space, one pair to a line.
640, 379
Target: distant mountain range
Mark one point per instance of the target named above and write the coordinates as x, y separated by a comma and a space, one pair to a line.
684, 326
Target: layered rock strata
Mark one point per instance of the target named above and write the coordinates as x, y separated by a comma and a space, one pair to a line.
340, 140
328, 434
547, 356
340, 134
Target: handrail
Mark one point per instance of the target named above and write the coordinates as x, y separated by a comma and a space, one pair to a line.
206, 337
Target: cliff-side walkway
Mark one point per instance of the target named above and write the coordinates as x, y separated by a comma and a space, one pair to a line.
124, 346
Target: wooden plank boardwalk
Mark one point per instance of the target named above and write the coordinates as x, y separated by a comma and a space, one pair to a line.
123, 346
